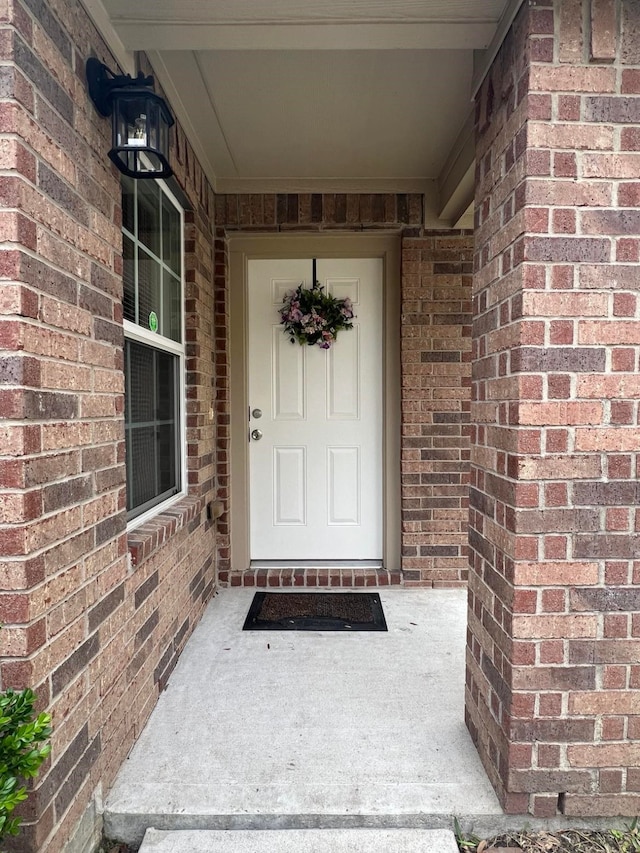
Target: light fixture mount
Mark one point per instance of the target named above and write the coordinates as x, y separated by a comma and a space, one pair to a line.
102, 81
140, 120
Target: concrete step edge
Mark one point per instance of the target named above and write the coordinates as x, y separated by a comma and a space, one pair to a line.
300, 841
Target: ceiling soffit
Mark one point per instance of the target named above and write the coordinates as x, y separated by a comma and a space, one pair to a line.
186, 41
302, 24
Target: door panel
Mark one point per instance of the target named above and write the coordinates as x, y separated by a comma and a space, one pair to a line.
289, 485
316, 472
343, 471
343, 377
289, 403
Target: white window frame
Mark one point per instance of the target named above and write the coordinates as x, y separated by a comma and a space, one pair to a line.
138, 334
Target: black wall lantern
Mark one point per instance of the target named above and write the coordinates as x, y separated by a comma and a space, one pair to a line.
140, 120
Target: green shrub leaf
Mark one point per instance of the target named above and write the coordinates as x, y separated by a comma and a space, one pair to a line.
21, 755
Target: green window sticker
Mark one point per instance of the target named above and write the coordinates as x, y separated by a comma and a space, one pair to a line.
153, 321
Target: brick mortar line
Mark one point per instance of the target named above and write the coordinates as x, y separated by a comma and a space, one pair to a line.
34, 554
23, 250
35, 185
34, 322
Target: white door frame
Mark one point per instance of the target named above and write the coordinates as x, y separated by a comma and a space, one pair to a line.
246, 247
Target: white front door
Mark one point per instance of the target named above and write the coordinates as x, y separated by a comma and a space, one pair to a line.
316, 472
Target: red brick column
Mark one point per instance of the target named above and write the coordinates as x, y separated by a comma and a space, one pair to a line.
554, 617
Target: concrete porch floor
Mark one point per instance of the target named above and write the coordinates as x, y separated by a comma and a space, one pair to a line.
303, 729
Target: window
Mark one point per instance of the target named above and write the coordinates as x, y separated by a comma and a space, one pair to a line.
152, 227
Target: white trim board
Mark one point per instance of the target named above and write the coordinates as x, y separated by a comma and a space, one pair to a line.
102, 22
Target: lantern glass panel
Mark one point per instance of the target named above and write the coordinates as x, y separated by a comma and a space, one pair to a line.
119, 128
141, 125
153, 123
155, 162
141, 164
164, 137
132, 116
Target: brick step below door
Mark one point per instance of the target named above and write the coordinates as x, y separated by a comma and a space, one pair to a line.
311, 576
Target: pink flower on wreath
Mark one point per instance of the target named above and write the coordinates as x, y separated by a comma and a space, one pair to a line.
317, 319
347, 309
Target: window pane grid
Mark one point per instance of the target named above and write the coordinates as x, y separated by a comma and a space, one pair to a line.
152, 254
164, 251
151, 426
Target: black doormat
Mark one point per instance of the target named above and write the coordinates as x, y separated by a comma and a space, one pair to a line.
315, 611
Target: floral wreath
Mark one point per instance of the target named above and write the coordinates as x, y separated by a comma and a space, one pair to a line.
310, 316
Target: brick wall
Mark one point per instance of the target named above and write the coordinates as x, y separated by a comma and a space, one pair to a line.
436, 391
93, 620
436, 344
554, 644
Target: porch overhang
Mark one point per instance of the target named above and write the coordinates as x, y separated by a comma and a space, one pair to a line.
298, 98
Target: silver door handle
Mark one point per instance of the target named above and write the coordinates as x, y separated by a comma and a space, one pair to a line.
256, 434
